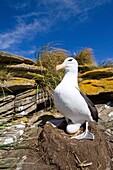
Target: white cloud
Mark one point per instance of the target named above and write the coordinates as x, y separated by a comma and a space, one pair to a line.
18, 4
23, 31
43, 16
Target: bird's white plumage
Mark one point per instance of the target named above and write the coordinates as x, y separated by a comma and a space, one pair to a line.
68, 99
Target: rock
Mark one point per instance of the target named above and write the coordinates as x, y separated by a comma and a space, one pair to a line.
28, 75
97, 83
6, 107
111, 114
26, 67
25, 101
65, 153
85, 68
25, 94
7, 98
25, 110
28, 101
98, 73
22, 108
12, 133
93, 87
17, 84
7, 113
22, 104
12, 58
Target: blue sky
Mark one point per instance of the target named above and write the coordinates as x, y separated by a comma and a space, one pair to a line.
74, 24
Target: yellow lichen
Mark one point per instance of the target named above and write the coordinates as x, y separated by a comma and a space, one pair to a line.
92, 87
97, 72
24, 66
23, 119
16, 81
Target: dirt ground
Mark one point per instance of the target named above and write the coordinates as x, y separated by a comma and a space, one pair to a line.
50, 148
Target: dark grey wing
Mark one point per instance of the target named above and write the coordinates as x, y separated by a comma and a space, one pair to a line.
92, 108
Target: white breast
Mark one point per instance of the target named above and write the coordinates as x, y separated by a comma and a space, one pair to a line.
71, 104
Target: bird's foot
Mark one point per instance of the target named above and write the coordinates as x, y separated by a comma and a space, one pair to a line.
84, 135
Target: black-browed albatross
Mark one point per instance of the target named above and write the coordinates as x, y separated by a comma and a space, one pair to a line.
75, 106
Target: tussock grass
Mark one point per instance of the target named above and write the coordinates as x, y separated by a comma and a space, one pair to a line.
86, 57
49, 57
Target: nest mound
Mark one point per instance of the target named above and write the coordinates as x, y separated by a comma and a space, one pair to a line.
61, 152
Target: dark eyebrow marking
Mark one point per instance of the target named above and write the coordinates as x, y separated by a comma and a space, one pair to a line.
70, 59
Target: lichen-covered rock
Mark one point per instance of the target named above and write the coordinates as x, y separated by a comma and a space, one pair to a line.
27, 74
12, 58
95, 86
17, 84
98, 73
96, 81
85, 68
26, 67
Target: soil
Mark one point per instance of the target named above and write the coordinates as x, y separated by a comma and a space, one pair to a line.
55, 150
51, 148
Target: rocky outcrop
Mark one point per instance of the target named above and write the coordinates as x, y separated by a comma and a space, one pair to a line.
12, 58
18, 87
22, 104
17, 84
98, 84
18, 73
26, 67
98, 73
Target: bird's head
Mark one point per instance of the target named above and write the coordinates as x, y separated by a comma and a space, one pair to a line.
70, 64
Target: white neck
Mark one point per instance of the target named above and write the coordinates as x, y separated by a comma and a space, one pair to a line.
72, 79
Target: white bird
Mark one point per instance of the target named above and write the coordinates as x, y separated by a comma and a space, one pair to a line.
75, 106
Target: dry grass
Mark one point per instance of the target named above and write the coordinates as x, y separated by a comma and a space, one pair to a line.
86, 57
49, 58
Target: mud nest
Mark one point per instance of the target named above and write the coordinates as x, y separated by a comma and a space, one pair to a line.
60, 152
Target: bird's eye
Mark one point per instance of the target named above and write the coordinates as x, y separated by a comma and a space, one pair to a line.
70, 59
